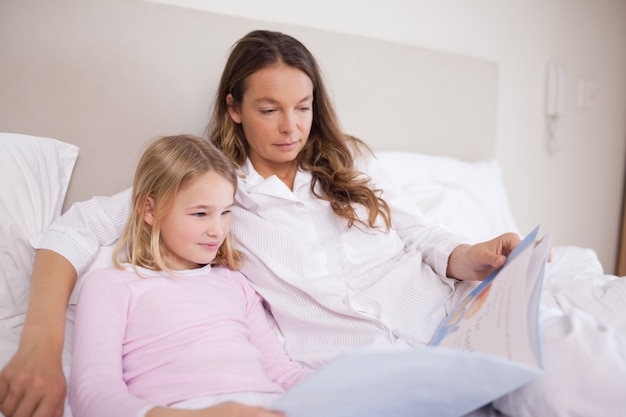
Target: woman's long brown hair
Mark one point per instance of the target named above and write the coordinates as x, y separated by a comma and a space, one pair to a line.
328, 154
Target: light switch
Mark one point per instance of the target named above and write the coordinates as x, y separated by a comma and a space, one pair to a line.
587, 94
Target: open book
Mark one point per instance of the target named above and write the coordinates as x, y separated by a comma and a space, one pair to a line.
487, 347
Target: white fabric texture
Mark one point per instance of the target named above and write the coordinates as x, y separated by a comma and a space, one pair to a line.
35, 174
583, 331
467, 197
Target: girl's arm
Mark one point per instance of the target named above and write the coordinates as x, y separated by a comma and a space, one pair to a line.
226, 409
279, 367
97, 385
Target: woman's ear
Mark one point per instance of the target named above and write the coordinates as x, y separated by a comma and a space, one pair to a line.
149, 211
233, 110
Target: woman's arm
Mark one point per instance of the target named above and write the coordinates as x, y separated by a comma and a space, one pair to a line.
416, 230
80, 232
448, 254
33, 383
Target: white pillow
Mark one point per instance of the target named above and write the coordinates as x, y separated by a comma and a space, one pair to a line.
35, 175
467, 197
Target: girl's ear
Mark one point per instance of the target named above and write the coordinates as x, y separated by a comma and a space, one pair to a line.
233, 110
149, 212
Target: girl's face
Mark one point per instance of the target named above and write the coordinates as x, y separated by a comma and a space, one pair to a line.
276, 114
198, 222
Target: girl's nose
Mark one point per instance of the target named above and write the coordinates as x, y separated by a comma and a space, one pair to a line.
214, 228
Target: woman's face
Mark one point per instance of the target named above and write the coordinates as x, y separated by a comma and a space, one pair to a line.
276, 114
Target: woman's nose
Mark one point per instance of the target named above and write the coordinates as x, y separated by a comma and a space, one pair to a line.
288, 123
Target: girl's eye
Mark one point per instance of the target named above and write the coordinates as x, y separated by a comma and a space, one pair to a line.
199, 214
226, 213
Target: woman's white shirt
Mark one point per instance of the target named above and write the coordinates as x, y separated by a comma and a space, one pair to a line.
329, 286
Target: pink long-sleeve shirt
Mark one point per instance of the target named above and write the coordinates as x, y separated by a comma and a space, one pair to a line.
158, 340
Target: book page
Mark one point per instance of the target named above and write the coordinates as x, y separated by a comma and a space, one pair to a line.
403, 382
500, 316
536, 268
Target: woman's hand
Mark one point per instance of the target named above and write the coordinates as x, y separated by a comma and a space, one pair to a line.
33, 384
476, 262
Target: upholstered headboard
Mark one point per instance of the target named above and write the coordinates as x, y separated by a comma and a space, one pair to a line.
108, 75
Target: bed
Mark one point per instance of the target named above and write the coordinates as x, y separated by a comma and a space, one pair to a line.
86, 84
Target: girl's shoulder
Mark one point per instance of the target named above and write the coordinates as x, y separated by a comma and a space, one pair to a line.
109, 276
234, 277
226, 272
105, 282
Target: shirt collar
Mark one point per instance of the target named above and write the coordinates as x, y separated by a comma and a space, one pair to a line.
145, 272
253, 182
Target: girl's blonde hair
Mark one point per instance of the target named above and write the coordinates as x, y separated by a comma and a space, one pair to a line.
328, 153
164, 168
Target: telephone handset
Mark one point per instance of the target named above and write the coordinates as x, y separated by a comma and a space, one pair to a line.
555, 90
555, 102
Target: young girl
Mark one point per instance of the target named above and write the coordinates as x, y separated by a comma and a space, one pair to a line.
175, 321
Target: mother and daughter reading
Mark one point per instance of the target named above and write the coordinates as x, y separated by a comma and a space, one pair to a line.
339, 258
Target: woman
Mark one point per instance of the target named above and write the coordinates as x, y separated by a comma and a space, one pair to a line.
341, 259
348, 263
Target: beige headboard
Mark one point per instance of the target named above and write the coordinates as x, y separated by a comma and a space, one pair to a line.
108, 75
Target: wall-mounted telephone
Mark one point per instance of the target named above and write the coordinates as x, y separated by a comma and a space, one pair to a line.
555, 90
555, 102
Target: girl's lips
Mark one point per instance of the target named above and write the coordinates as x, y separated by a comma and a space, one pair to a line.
210, 246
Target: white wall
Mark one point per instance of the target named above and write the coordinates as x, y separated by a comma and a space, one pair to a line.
577, 191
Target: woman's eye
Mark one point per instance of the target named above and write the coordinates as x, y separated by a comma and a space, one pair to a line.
199, 214
267, 111
304, 108
226, 213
